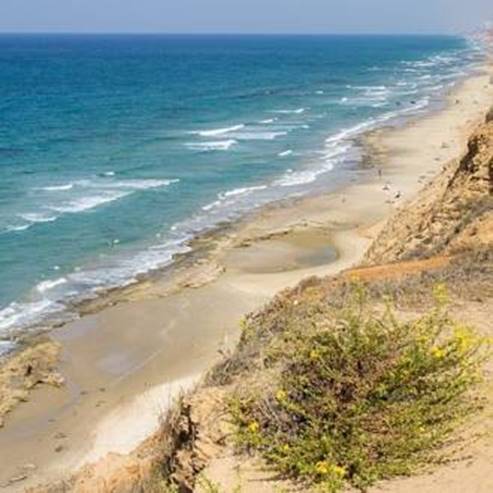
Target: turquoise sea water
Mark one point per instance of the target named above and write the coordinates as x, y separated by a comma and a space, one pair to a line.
114, 150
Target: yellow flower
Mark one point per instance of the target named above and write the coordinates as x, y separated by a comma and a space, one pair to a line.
253, 427
286, 448
325, 468
322, 467
440, 294
437, 353
338, 471
463, 338
314, 354
281, 395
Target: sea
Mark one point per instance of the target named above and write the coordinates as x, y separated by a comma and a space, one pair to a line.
116, 150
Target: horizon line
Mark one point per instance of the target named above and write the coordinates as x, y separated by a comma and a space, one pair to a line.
225, 33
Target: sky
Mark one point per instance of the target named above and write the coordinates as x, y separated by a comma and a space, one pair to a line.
244, 16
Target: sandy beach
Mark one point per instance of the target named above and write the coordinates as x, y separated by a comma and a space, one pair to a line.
126, 358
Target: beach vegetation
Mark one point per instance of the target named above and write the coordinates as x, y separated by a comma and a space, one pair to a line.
357, 394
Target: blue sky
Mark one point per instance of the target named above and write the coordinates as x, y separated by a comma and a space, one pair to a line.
244, 16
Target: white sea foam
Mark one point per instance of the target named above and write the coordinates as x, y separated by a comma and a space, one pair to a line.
105, 193
57, 188
85, 282
285, 153
241, 191
50, 284
21, 314
297, 111
142, 184
268, 121
88, 202
216, 145
379, 105
210, 206
227, 199
304, 177
36, 217
350, 132
436, 88
371, 88
260, 135
218, 131
14, 228
332, 151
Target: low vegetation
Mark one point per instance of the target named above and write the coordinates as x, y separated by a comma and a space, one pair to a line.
355, 394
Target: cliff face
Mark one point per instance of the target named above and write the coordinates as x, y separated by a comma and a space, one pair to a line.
454, 213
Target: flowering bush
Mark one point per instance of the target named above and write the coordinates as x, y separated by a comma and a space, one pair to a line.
364, 397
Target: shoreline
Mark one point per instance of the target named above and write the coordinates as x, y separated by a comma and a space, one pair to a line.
15, 339
118, 358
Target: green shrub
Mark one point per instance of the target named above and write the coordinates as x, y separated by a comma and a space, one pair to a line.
364, 397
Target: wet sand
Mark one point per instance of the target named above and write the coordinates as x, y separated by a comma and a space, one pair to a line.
124, 363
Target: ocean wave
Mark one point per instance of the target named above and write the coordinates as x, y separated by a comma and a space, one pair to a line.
335, 150
23, 314
210, 206
241, 191
35, 217
297, 111
304, 177
142, 184
106, 191
82, 284
350, 132
419, 63
268, 121
285, 153
15, 228
358, 129
378, 89
218, 131
227, 198
215, 145
371, 96
334, 153
260, 135
87, 203
57, 188
50, 284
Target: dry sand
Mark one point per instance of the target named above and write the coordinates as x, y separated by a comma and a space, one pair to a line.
124, 363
